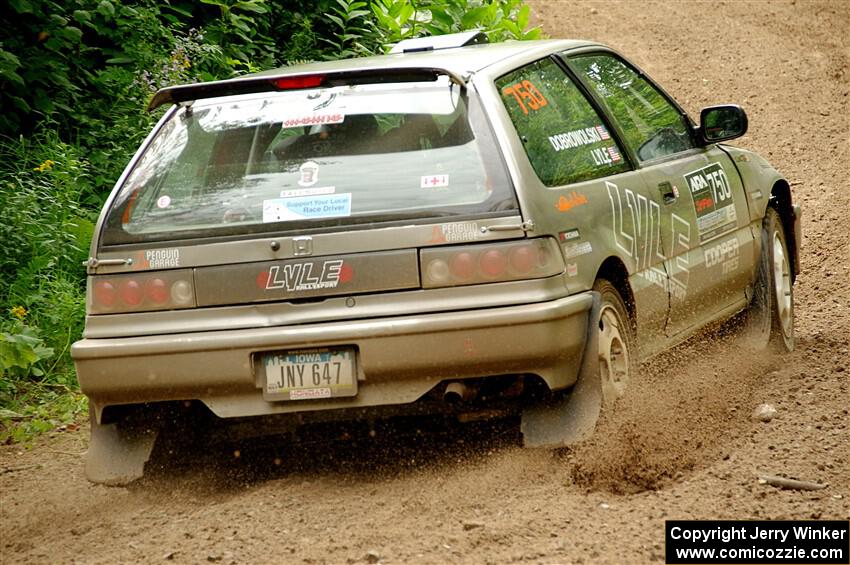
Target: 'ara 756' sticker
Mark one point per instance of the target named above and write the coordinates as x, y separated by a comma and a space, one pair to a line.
712, 200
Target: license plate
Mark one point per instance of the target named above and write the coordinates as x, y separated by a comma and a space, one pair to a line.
307, 374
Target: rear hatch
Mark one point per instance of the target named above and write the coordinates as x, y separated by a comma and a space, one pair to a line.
321, 190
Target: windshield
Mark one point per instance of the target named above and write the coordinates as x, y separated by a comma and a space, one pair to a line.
311, 160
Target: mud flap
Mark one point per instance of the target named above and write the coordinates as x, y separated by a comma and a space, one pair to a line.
118, 452
570, 417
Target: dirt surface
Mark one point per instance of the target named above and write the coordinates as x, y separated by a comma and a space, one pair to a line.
682, 446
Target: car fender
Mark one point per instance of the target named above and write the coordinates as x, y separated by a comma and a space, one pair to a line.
763, 183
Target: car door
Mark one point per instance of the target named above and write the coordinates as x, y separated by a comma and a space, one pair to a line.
582, 187
705, 224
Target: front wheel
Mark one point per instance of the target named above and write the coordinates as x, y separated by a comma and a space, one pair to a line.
770, 316
615, 342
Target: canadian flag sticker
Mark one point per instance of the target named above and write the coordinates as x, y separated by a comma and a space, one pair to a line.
434, 181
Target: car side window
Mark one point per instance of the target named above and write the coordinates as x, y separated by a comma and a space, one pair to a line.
563, 135
652, 126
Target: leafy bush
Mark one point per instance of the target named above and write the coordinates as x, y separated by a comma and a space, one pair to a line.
21, 349
363, 28
404, 19
46, 232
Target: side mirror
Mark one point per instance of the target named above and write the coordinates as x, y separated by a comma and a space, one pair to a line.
719, 123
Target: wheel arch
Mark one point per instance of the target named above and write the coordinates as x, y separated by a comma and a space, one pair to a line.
780, 200
614, 271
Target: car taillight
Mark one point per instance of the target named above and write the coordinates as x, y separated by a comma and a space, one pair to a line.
493, 263
131, 292
489, 262
142, 292
297, 82
105, 293
157, 291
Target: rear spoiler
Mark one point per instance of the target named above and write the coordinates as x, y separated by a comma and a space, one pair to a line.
273, 82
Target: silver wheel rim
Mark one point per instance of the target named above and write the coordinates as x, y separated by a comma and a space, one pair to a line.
613, 355
782, 284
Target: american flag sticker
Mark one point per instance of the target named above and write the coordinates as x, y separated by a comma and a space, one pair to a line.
615, 155
434, 181
603, 133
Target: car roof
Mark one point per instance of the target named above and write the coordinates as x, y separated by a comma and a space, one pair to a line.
459, 60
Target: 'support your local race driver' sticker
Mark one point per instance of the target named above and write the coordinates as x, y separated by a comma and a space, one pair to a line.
308, 207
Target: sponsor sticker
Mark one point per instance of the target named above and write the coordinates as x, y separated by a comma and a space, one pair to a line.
451, 233
295, 193
307, 207
572, 269
309, 174
572, 250
574, 199
434, 181
160, 258
313, 120
724, 254
713, 201
295, 277
569, 235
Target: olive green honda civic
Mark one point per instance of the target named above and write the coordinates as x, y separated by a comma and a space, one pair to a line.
453, 230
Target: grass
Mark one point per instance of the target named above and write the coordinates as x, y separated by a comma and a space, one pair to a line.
38, 407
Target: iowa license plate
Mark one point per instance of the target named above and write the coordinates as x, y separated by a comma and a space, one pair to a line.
309, 374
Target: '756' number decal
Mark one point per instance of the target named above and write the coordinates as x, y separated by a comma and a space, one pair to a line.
526, 94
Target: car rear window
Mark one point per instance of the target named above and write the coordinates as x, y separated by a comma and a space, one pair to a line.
312, 159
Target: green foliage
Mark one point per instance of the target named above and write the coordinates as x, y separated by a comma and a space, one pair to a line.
355, 34
362, 28
21, 350
501, 20
45, 230
34, 408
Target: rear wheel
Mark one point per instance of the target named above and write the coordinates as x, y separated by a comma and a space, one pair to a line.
615, 342
770, 317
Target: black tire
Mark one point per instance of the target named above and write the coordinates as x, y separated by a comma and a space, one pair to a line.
770, 315
616, 342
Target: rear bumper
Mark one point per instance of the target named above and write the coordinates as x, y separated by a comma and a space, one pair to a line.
399, 358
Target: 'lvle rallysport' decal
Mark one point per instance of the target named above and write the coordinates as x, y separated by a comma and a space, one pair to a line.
712, 201
640, 239
285, 279
300, 276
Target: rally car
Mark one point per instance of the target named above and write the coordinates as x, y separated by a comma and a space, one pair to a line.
454, 228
